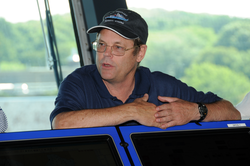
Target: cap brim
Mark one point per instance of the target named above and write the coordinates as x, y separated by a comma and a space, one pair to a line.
125, 33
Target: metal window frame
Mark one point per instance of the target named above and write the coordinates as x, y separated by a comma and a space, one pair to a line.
83, 44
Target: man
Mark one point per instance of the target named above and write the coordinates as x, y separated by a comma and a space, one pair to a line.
116, 91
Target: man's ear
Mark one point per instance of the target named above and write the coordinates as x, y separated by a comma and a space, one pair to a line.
142, 52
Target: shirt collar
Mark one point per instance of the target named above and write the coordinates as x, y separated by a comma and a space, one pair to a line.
100, 86
142, 83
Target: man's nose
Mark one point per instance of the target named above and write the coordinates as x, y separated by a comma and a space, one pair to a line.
108, 51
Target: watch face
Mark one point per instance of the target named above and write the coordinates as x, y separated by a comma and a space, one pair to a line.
203, 111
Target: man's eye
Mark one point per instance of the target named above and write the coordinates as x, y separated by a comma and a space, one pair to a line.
101, 44
118, 47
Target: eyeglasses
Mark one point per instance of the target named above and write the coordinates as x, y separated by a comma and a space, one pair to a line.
115, 49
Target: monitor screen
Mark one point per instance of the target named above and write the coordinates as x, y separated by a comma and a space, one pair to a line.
70, 151
204, 147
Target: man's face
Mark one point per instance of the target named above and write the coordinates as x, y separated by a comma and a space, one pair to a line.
116, 69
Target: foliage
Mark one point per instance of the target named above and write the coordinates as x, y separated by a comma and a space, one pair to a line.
13, 66
230, 57
205, 50
160, 19
235, 34
173, 51
64, 36
23, 42
227, 83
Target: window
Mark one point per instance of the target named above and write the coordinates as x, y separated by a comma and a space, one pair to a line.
206, 45
27, 81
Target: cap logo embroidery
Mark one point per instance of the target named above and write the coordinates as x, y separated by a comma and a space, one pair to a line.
117, 16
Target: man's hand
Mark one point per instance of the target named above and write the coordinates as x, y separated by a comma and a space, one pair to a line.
145, 111
175, 112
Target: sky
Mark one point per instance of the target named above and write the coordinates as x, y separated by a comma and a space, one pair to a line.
238, 8
24, 10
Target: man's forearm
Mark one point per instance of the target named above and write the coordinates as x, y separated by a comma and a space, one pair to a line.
222, 110
92, 118
140, 110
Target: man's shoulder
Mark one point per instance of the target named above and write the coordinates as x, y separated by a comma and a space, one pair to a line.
83, 74
156, 75
84, 71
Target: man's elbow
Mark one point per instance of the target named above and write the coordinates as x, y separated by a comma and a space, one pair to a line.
56, 124
59, 122
235, 114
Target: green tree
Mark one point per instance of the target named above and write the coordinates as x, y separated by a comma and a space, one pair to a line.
11, 66
235, 34
64, 35
230, 57
24, 42
160, 19
7, 53
221, 80
29, 43
173, 51
7, 48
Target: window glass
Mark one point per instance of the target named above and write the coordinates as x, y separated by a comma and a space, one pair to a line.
65, 37
27, 82
204, 43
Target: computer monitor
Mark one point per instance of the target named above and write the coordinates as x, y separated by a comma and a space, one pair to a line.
207, 147
213, 143
65, 148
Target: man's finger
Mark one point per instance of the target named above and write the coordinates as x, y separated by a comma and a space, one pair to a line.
145, 97
167, 99
168, 124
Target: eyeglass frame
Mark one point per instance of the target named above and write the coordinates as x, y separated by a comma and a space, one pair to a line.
111, 48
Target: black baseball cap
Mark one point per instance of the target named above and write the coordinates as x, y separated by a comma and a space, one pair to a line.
125, 23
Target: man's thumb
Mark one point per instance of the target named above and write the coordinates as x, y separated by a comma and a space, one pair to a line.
145, 97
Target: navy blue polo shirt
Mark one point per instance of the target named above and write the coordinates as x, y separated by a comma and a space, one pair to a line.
84, 89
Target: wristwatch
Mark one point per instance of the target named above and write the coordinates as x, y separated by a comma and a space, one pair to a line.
203, 111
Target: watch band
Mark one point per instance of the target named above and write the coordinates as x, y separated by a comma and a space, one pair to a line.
203, 111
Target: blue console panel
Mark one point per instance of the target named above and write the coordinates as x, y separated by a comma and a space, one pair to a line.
51, 135
189, 128
137, 145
